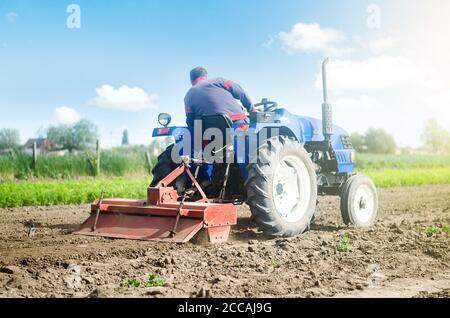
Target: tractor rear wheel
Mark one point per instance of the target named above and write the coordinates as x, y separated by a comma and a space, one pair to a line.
164, 166
282, 187
359, 201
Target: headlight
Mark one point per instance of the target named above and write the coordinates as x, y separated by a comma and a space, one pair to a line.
164, 119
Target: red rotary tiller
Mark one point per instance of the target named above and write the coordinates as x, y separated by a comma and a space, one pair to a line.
164, 216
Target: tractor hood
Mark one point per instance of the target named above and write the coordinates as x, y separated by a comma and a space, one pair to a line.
306, 128
313, 128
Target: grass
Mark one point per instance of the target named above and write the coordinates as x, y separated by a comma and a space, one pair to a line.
386, 178
124, 173
405, 170
380, 162
153, 280
115, 162
23, 193
446, 229
345, 243
433, 230
131, 283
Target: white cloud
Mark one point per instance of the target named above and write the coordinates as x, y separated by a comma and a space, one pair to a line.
362, 103
312, 38
374, 74
11, 16
394, 93
124, 98
438, 105
357, 113
382, 44
441, 99
66, 116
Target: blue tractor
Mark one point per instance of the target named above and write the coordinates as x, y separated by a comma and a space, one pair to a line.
293, 160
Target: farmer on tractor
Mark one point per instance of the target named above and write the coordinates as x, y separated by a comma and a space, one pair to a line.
215, 96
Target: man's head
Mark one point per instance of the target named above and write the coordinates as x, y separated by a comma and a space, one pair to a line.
198, 74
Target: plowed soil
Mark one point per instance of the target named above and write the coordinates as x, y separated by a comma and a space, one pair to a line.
394, 258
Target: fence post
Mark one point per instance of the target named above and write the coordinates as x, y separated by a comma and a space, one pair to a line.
149, 161
98, 156
34, 156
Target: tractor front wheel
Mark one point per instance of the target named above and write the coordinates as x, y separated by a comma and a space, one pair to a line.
359, 201
282, 187
164, 166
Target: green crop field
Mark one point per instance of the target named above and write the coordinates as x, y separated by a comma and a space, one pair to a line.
377, 162
385, 178
405, 170
68, 179
25, 193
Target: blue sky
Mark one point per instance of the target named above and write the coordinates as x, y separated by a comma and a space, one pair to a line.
130, 60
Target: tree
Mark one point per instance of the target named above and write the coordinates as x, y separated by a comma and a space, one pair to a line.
358, 142
379, 141
61, 136
81, 136
85, 134
436, 138
125, 141
9, 138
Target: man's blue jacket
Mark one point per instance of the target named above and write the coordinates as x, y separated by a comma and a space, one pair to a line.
216, 96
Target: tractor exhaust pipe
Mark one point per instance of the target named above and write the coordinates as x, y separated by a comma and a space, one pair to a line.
327, 111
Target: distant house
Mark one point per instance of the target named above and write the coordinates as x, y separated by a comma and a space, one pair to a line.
61, 152
43, 145
5, 152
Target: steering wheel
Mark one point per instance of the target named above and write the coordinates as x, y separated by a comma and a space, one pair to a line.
268, 106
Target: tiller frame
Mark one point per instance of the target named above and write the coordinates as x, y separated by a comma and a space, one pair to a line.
164, 216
